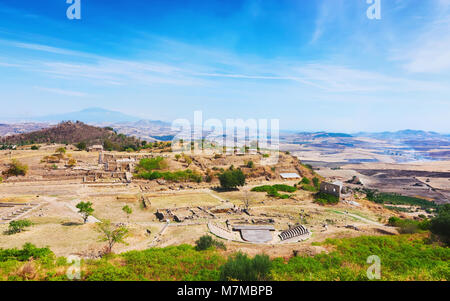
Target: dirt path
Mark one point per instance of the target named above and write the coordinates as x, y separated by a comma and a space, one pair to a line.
363, 219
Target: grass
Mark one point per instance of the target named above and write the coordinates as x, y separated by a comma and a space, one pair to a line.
403, 257
273, 190
397, 199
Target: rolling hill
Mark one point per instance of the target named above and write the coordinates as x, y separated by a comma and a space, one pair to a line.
74, 132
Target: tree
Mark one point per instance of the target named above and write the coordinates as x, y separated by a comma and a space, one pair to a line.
18, 226
316, 182
205, 242
250, 164
61, 150
72, 162
16, 169
81, 146
440, 225
231, 179
85, 209
127, 209
241, 267
112, 234
177, 157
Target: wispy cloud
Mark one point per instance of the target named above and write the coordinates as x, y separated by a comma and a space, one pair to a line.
62, 92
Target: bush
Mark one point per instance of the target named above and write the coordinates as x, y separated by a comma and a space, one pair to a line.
440, 225
177, 176
28, 251
241, 267
273, 190
16, 169
18, 226
408, 226
305, 180
81, 146
231, 179
250, 164
35, 147
150, 164
316, 182
323, 198
206, 242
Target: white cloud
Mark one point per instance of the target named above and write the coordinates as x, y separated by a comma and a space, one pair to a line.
62, 92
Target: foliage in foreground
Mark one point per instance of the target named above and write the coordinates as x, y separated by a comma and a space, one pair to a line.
403, 257
243, 268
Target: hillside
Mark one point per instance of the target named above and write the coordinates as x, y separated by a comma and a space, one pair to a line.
72, 133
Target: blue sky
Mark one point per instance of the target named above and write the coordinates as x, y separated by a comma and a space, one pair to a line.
315, 65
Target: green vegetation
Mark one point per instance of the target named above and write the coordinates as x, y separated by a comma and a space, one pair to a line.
241, 267
403, 257
177, 176
148, 169
28, 251
232, 178
127, 209
150, 164
61, 150
250, 164
409, 226
323, 198
35, 147
316, 182
207, 242
305, 184
15, 169
305, 180
273, 190
85, 208
111, 234
180, 263
397, 199
18, 226
440, 225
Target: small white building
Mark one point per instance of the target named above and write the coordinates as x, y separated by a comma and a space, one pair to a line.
289, 176
95, 148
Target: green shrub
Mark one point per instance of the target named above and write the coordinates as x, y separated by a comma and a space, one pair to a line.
241, 267
409, 226
34, 147
231, 179
16, 169
305, 180
323, 198
316, 182
397, 199
206, 242
18, 226
250, 164
150, 164
177, 176
28, 251
440, 225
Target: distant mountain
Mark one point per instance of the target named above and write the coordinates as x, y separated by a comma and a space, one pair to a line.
317, 135
403, 135
90, 115
72, 133
20, 128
